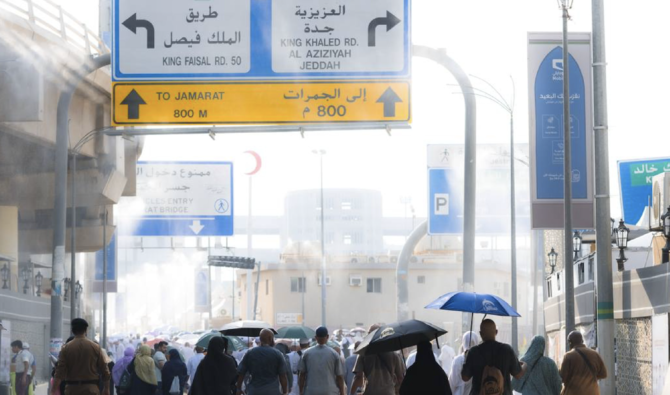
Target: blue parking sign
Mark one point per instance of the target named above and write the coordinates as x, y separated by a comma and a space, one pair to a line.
445, 207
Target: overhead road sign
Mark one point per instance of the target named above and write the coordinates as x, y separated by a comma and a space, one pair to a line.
277, 102
177, 40
180, 199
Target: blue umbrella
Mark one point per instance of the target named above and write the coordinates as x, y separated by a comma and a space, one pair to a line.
471, 302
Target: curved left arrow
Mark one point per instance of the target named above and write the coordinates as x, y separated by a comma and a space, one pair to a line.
133, 23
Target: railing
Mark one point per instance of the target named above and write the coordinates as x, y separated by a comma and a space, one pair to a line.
51, 17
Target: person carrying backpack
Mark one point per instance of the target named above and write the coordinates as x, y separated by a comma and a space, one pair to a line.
490, 364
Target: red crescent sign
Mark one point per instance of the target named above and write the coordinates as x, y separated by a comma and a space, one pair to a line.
259, 162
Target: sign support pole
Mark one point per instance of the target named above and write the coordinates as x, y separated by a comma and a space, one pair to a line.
605, 293
567, 184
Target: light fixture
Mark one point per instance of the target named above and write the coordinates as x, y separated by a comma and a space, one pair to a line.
66, 288
666, 232
553, 256
577, 244
38, 283
4, 272
77, 290
25, 276
622, 242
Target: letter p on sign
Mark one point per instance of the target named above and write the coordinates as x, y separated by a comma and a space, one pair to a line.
441, 204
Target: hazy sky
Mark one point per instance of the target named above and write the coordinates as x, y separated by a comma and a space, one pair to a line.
488, 39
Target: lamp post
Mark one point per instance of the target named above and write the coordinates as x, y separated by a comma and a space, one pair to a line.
565, 6
553, 257
25, 276
38, 283
665, 257
622, 242
66, 288
321, 153
77, 293
4, 272
577, 244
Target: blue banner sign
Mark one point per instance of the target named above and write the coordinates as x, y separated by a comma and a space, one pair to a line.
549, 123
111, 261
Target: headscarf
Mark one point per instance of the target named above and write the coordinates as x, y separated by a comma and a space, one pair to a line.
175, 367
540, 377
217, 372
425, 376
144, 365
122, 364
470, 339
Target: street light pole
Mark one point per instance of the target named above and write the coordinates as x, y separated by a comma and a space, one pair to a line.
567, 181
321, 153
605, 307
509, 108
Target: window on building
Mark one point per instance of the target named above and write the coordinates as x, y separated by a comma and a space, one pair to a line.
267, 287
549, 293
327, 280
347, 239
298, 284
591, 269
374, 285
421, 279
581, 272
346, 205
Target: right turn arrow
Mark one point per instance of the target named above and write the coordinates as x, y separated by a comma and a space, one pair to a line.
133, 101
390, 21
389, 98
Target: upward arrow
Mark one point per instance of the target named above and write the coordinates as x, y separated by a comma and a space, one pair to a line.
389, 98
390, 21
133, 101
133, 23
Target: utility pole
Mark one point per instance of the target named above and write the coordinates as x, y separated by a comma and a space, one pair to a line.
605, 306
60, 196
321, 153
104, 279
567, 182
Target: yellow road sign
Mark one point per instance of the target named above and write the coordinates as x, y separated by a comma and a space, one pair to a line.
271, 102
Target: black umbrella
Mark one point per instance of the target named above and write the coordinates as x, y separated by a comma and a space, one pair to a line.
397, 336
247, 328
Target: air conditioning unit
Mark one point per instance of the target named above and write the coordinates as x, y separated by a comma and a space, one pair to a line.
660, 199
355, 281
327, 280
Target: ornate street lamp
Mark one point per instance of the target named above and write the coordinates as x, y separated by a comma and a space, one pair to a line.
622, 242
77, 290
577, 244
553, 256
4, 272
38, 283
25, 276
66, 288
666, 232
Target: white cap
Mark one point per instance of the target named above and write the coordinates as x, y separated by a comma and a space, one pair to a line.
26, 346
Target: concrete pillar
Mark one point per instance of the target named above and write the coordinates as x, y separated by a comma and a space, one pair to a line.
9, 239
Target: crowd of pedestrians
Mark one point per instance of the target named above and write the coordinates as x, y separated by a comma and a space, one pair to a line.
483, 366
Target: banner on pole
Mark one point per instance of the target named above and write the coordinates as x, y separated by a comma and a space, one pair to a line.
545, 68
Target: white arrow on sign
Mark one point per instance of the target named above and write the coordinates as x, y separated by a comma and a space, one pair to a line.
196, 227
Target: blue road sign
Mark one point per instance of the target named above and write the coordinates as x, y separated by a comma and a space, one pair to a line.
180, 199
111, 261
635, 181
162, 40
445, 204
